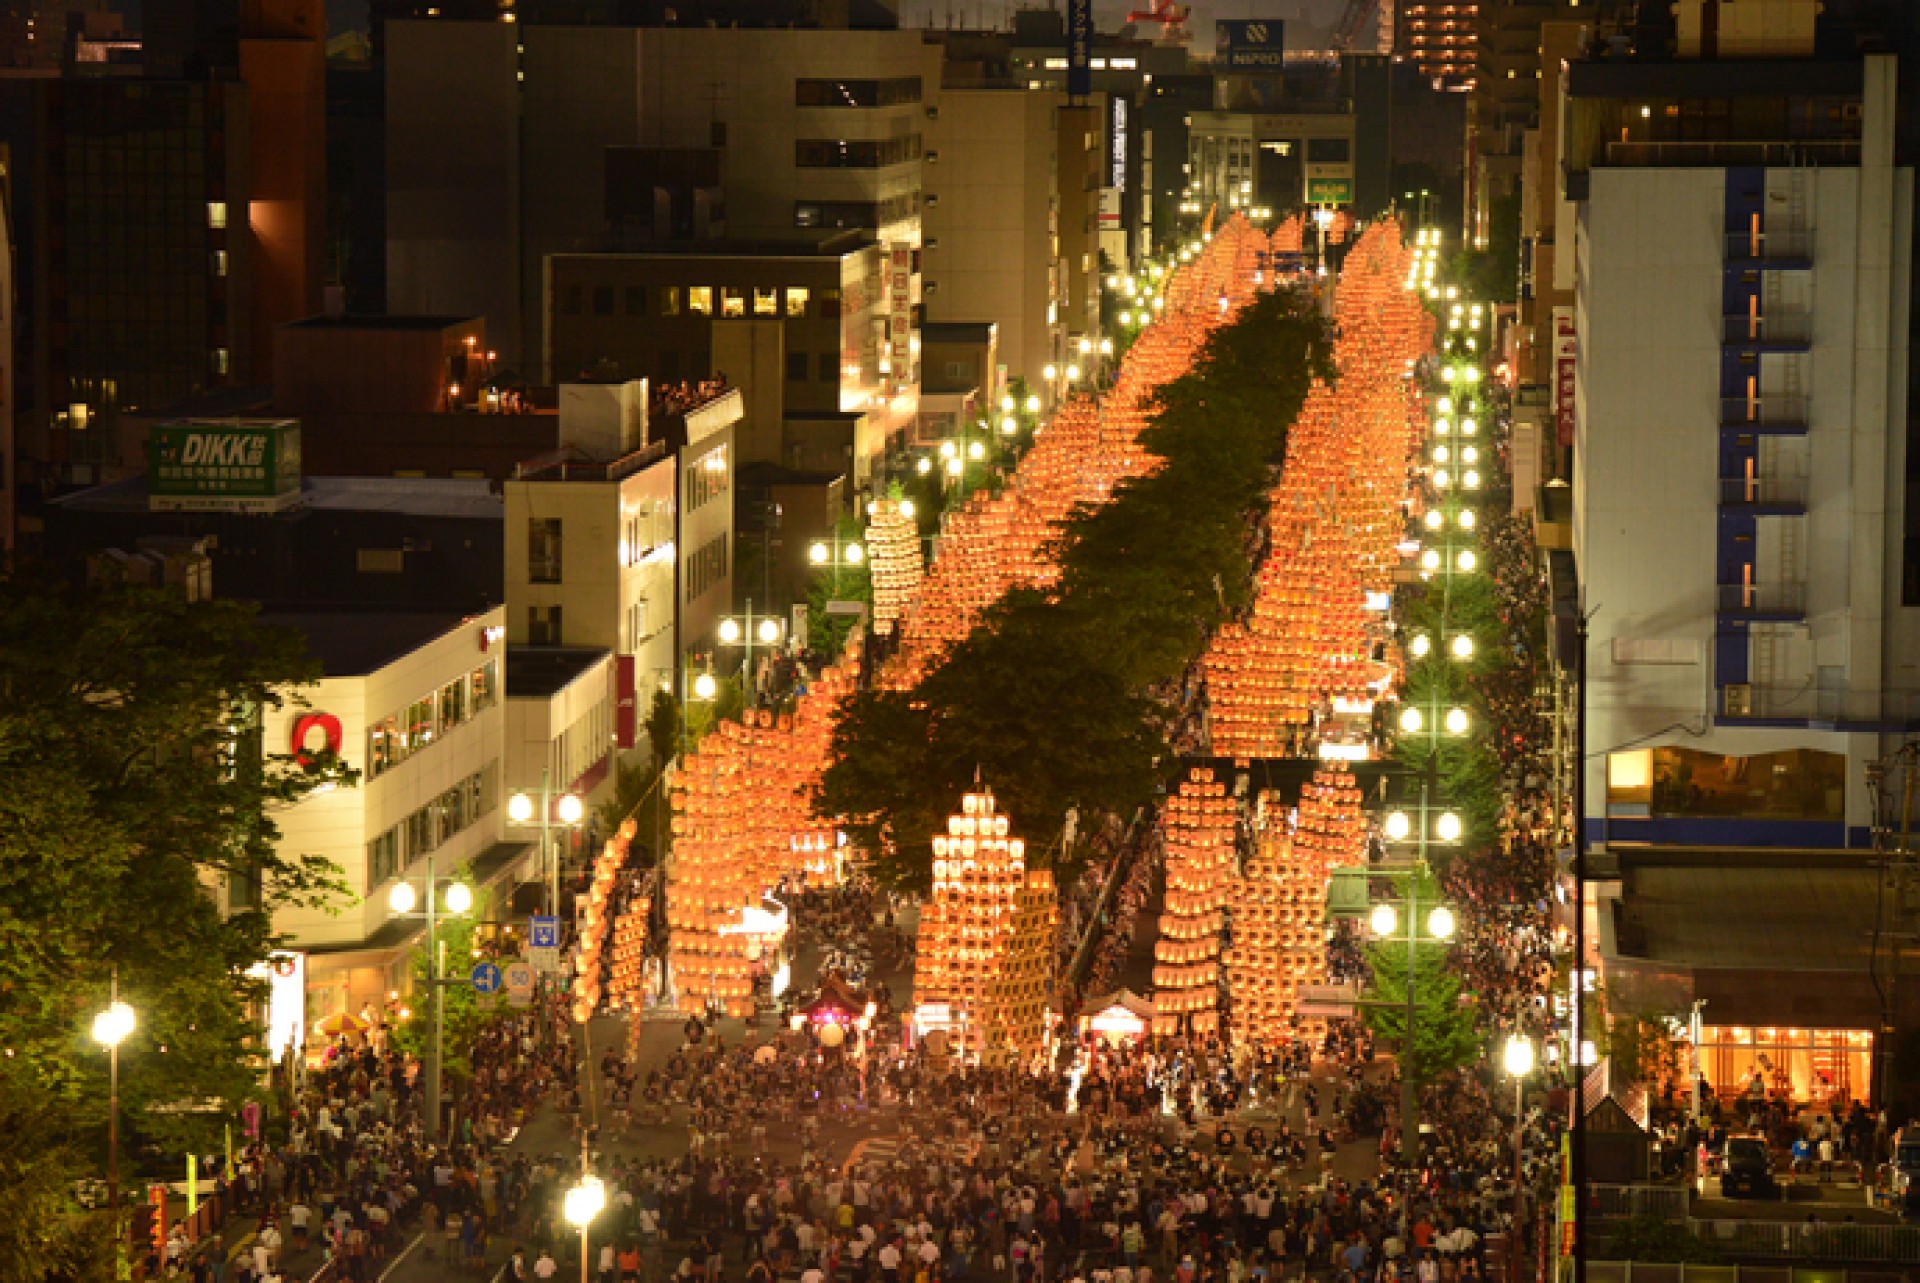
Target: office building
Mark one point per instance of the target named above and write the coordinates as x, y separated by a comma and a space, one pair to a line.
1741, 519
1441, 38
511, 142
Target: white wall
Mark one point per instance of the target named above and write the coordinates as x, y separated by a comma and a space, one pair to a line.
339, 824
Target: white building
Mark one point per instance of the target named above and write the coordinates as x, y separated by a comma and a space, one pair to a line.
1739, 493
414, 703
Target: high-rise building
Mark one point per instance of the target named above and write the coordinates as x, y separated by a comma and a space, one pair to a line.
1441, 38
508, 142
1742, 522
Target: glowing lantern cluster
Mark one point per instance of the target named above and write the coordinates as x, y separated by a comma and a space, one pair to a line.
967, 927
742, 821
1279, 937
1331, 832
893, 556
996, 542
1335, 519
596, 927
1197, 830
1017, 1002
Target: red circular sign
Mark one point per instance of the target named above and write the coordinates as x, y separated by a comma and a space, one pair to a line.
303, 727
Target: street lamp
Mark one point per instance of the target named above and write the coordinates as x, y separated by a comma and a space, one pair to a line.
111, 1028
402, 899
745, 630
1517, 1057
1385, 920
584, 1202
836, 552
520, 810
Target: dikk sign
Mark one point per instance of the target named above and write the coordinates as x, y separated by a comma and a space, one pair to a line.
223, 465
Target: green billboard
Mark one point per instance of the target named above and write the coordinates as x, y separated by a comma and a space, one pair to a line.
223, 465
1329, 191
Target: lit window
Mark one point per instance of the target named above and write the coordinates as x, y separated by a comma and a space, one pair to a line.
766, 302
700, 299
796, 300
216, 214
222, 361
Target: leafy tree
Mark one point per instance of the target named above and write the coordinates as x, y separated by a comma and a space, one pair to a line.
41, 1236
827, 632
1445, 1032
138, 791
1654, 1241
1047, 700
636, 789
467, 1010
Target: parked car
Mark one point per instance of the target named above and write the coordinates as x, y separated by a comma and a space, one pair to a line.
1746, 1168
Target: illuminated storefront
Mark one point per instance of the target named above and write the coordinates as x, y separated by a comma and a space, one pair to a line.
1821, 1065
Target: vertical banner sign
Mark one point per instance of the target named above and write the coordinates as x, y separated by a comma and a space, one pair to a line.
1566, 351
1079, 48
626, 710
900, 307
193, 1187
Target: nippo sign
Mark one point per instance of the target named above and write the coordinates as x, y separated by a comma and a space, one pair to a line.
223, 465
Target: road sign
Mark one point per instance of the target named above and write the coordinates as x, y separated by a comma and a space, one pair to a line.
1327, 1001
486, 977
544, 961
543, 933
519, 982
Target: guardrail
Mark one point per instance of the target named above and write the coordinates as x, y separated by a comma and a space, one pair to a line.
1625, 1202
1775, 327
1852, 1244
1768, 246
1764, 411
1737, 490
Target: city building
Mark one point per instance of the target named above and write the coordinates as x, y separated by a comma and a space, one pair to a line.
1441, 38
962, 376
996, 194
413, 702
1507, 101
510, 142
1276, 161
804, 328
1741, 525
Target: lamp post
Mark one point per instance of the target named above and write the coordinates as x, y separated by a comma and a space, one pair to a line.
836, 552
111, 1028
459, 898
584, 1202
744, 629
1517, 1057
571, 811
1385, 920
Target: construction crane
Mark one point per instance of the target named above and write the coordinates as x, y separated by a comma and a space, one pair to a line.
1352, 22
1171, 17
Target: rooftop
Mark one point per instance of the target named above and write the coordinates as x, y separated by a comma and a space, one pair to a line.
414, 496
354, 643
382, 321
540, 672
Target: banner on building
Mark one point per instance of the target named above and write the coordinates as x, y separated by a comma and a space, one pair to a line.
626, 702
900, 310
1250, 45
223, 465
1566, 351
1079, 48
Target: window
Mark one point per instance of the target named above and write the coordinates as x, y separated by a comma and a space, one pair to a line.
855, 153
670, 300
417, 723
636, 625
385, 749
380, 561
1672, 782
733, 303
453, 704
570, 300
707, 568
766, 302
829, 368
796, 367
1327, 150
829, 304
796, 300
217, 214
383, 857
222, 361
891, 92
700, 299
219, 262
543, 550
706, 478
483, 684
636, 300
603, 300
543, 625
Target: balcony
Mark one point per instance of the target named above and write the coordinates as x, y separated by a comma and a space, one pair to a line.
1804, 704
1777, 250
1775, 332
1765, 496
1764, 415
1763, 601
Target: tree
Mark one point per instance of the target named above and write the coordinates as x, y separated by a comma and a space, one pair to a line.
138, 790
40, 1237
1658, 1242
828, 632
1445, 1031
636, 789
1047, 700
467, 1010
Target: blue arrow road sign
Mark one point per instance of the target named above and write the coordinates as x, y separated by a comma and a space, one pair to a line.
543, 933
486, 978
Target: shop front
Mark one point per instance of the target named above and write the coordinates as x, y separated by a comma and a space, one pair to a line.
1816, 1066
